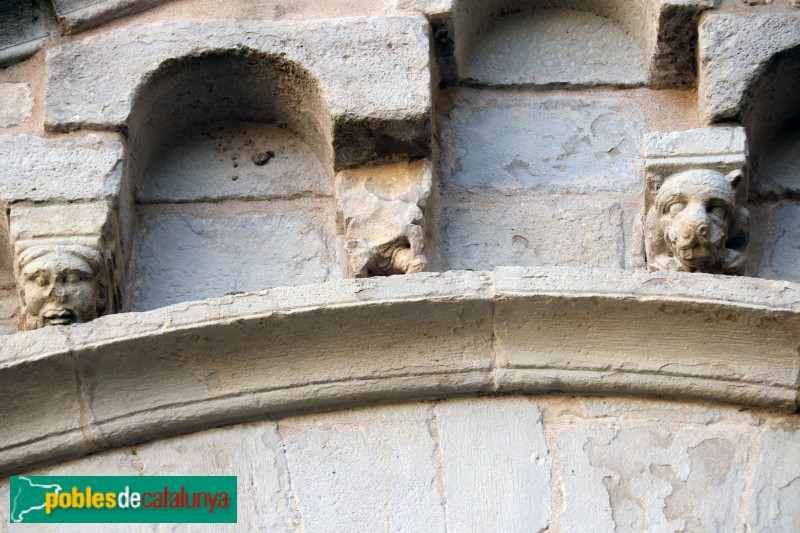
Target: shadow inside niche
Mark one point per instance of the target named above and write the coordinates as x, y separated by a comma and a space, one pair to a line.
772, 120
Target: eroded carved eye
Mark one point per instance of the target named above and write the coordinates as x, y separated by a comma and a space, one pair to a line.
674, 208
719, 211
39, 279
73, 277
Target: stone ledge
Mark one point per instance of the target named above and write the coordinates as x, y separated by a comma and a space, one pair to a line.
134, 377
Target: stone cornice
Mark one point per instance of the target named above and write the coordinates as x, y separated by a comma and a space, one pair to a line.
132, 377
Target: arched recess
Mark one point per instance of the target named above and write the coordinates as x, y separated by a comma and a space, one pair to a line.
772, 118
555, 42
229, 181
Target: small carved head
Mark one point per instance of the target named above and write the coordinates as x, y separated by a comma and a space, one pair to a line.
693, 216
60, 285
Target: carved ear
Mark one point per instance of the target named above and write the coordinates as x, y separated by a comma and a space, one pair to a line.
735, 177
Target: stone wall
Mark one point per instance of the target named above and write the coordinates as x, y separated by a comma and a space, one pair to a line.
500, 464
549, 197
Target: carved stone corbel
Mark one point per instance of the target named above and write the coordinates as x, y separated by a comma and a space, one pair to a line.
695, 196
382, 210
64, 263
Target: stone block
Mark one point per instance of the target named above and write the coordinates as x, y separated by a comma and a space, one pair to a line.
494, 465
775, 486
251, 452
523, 143
66, 169
79, 15
282, 243
530, 231
374, 475
16, 103
639, 479
775, 250
25, 27
734, 51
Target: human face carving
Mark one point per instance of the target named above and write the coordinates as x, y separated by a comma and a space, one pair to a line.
58, 289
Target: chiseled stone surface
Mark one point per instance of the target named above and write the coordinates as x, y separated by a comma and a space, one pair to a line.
651, 476
382, 208
775, 494
495, 465
733, 52
16, 103
503, 464
373, 470
516, 143
556, 230
25, 27
78, 15
774, 255
66, 169
284, 243
555, 46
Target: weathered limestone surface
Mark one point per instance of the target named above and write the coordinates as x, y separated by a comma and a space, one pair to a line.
90, 85
16, 103
734, 51
78, 15
378, 466
775, 494
25, 27
194, 365
496, 468
54, 170
382, 208
528, 180
555, 47
234, 161
516, 463
269, 244
774, 255
574, 42
531, 231
514, 143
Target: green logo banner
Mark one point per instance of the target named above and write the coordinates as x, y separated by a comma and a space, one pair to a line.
122, 499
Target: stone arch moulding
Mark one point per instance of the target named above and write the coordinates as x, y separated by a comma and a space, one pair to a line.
603, 42
134, 377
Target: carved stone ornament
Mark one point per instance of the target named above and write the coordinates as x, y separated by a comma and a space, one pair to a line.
382, 210
60, 284
695, 195
696, 225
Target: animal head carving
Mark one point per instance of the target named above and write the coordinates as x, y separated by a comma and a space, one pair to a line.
695, 224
